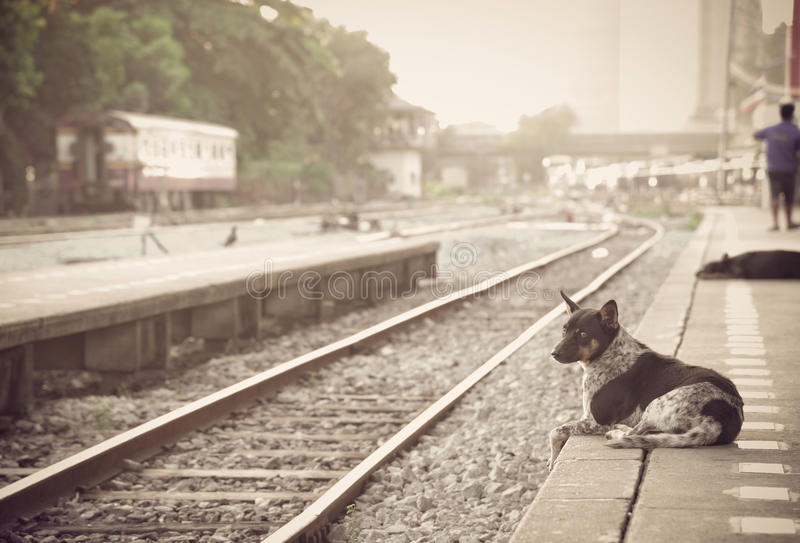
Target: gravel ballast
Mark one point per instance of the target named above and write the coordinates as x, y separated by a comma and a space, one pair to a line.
470, 478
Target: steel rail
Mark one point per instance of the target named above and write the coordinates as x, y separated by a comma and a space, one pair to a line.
98, 463
311, 525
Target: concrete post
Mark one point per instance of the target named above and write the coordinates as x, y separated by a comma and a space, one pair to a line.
156, 338
16, 380
114, 348
218, 320
249, 316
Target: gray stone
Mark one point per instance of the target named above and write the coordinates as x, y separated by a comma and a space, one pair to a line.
424, 503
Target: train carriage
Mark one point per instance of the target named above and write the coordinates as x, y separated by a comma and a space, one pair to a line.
123, 160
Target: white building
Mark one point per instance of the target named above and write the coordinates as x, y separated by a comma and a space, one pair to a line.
399, 144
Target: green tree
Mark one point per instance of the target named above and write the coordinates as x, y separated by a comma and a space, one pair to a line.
353, 95
540, 135
82, 58
20, 24
303, 95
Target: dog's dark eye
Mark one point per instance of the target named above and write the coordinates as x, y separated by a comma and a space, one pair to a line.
583, 334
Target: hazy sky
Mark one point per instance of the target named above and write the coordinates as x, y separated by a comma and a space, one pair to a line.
476, 60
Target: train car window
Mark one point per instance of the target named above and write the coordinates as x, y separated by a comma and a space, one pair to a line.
199, 150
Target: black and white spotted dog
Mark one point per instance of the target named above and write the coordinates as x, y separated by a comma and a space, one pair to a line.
637, 397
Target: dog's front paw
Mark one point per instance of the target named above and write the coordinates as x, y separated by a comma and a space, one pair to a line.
558, 436
616, 433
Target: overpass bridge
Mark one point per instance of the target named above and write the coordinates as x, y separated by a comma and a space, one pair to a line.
615, 146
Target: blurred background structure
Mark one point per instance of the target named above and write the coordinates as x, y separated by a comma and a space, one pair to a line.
152, 106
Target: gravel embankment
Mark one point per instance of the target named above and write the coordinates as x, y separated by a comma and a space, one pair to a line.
472, 477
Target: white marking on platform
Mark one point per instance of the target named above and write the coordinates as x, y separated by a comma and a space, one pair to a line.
766, 525
742, 321
760, 409
745, 361
745, 337
763, 493
30, 301
757, 394
745, 341
738, 345
759, 467
56, 296
760, 445
753, 382
743, 330
76, 292
748, 371
755, 425
15, 279
754, 352
6, 306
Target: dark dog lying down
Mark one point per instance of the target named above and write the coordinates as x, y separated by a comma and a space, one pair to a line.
636, 396
754, 265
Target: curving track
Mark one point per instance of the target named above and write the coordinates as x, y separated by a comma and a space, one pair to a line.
304, 426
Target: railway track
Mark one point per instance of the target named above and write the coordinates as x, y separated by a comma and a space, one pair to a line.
272, 458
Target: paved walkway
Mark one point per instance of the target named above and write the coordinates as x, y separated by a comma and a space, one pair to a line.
747, 491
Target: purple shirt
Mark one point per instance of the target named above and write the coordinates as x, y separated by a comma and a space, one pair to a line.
783, 141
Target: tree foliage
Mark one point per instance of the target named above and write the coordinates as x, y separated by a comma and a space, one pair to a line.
537, 136
20, 24
303, 95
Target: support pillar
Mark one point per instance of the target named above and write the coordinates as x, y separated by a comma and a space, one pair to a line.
16, 380
116, 348
249, 316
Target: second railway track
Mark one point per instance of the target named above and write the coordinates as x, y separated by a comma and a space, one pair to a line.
251, 472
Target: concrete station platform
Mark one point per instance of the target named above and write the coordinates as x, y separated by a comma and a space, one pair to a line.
122, 316
746, 491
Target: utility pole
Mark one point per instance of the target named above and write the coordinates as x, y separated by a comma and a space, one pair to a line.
722, 149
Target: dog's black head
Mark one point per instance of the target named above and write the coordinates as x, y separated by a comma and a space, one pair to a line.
587, 333
720, 269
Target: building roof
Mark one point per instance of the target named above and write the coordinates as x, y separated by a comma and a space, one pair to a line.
139, 121
398, 104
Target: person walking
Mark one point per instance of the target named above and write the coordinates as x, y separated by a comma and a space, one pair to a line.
783, 142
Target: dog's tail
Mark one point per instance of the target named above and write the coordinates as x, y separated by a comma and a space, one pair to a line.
705, 433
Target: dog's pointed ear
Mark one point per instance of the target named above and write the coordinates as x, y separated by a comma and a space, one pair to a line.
571, 306
609, 315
